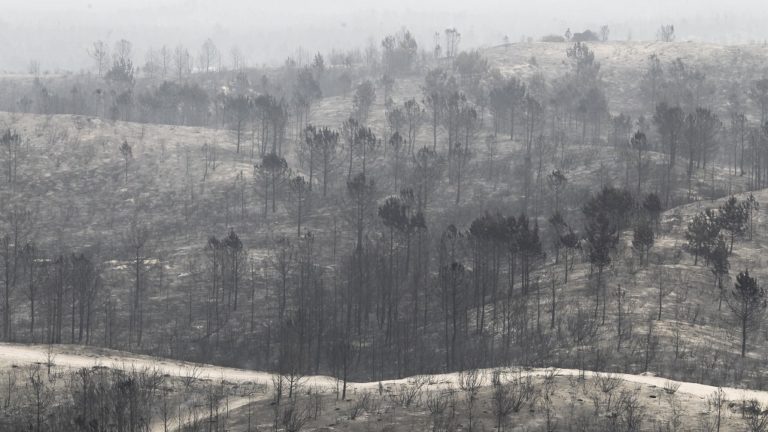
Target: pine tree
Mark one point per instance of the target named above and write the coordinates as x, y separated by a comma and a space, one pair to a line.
652, 207
642, 239
272, 169
746, 304
529, 247
718, 261
733, 217
614, 203
701, 234
639, 144
557, 181
752, 207
300, 188
601, 237
127, 152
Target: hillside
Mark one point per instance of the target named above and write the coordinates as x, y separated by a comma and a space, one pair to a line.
624, 62
369, 223
83, 198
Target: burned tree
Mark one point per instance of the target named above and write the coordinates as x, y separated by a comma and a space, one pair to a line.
11, 141
238, 108
127, 152
136, 239
271, 170
747, 302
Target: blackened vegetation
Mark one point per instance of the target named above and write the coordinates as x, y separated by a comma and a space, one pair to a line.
461, 225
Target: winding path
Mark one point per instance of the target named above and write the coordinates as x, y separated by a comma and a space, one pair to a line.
77, 357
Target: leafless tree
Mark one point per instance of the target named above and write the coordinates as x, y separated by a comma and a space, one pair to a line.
182, 62
452, 39
238, 59
209, 56
127, 152
604, 33
165, 57
470, 382
136, 239
11, 142
99, 52
666, 33
300, 190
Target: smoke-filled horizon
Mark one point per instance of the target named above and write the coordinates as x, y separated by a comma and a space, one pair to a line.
57, 34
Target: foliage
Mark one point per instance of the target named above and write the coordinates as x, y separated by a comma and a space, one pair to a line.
702, 233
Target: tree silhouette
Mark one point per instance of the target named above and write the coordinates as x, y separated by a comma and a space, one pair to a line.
746, 303
360, 141
137, 237
601, 240
583, 62
461, 150
11, 141
361, 193
427, 170
127, 152
365, 96
669, 123
652, 207
505, 99
616, 204
400, 52
639, 144
396, 144
326, 145
700, 132
300, 189
239, 109
733, 217
557, 181
234, 247
529, 248
305, 92
719, 265
99, 52
437, 86
122, 71
701, 234
666, 33
272, 169
570, 241
414, 116
642, 239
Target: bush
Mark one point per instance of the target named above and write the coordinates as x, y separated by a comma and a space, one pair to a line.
553, 38
585, 36
358, 407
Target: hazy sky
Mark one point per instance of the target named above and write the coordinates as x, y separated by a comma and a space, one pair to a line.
58, 32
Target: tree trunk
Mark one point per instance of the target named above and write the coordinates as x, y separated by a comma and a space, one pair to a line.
743, 336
